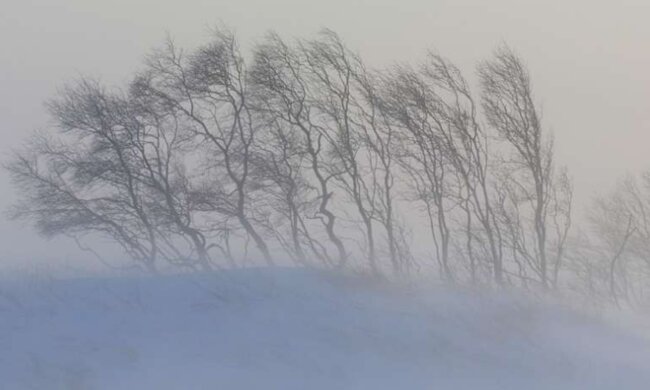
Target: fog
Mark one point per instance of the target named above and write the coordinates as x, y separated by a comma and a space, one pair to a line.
375, 197
588, 61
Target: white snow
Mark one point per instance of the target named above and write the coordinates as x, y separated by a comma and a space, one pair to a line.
298, 329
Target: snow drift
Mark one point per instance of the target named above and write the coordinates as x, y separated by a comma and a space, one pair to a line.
297, 329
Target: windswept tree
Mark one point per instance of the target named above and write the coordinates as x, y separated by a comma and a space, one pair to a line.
621, 235
334, 74
380, 137
321, 95
414, 107
528, 174
209, 90
465, 145
104, 174
284, 97
364, 139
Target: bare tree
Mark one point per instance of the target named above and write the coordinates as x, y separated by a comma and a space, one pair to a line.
415, 107
380, 136
209, 89
334, 73
560, 212
322, 90
161, 147
509, 108
620, 227
283, 91
89, 180
466, 146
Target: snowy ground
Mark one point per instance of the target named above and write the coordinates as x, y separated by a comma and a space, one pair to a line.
297, 329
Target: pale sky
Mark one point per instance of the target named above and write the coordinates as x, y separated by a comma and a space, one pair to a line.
589, 59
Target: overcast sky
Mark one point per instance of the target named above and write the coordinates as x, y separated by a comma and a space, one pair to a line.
589, 59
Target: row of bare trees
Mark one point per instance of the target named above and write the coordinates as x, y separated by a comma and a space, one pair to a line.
301, 151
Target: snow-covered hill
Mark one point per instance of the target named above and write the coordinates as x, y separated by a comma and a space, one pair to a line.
296, 329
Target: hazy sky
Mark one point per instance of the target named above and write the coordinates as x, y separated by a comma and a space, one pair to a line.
589, 59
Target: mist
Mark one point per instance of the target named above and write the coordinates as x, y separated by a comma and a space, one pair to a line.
586, 59
453, 192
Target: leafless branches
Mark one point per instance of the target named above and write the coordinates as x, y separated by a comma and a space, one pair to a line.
307, 153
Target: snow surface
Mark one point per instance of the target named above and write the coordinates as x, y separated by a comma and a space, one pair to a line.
298, 329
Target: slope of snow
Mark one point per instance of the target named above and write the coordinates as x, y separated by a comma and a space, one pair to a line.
296, 329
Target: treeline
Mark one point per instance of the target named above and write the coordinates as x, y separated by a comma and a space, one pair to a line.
301, 151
